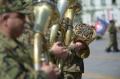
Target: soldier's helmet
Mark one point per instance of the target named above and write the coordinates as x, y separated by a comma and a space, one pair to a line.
15, 6
112, 21
86, 34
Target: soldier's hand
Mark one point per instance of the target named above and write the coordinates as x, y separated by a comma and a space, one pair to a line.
51, 70
59, 50
77, 46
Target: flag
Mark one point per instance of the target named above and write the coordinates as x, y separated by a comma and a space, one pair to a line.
101, 26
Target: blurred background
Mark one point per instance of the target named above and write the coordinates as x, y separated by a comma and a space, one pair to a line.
100, 64
99, 13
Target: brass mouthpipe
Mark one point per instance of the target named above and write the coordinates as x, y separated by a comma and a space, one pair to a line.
69, 14
38, 49
63, 5
68, 37
54, 33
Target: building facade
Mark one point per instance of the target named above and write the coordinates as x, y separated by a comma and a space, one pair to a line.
105, 9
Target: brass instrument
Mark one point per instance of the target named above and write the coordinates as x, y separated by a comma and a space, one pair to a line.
85, 33
68, 26
70, 13
45, 12
67, 11
62, 5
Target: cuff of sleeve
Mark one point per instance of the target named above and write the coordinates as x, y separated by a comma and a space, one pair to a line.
42, 75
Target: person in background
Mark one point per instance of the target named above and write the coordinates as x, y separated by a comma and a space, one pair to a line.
112, 37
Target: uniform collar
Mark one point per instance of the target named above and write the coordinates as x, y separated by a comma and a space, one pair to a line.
6, 42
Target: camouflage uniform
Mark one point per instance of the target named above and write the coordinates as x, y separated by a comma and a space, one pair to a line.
74, 67
113, 37
16, 60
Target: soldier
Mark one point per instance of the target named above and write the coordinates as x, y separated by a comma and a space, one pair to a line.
73, 67
113, 37
78, 50
15, 58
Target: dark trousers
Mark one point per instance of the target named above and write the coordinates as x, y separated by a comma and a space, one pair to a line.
113, 42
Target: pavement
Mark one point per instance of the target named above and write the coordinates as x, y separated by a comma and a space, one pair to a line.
100, 64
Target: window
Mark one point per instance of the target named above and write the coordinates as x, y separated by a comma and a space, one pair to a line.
92, 3
114, 2
103, 2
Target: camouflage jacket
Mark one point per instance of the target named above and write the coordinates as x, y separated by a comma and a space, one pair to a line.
16, 60
73, 63
112, 29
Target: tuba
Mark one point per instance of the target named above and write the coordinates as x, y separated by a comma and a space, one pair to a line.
68, 17
63, 29
45, 12
62, 6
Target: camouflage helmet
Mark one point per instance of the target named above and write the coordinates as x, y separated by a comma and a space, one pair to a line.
84, 32
15, 6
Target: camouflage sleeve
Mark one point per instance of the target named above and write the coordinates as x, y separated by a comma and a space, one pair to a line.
110, 29
37, 75
11, 68
8, 68
42, 75
82, 53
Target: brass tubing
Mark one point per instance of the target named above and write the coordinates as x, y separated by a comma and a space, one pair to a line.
54, 33
38, 43
70, 15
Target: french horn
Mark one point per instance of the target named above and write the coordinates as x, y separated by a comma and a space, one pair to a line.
86, 34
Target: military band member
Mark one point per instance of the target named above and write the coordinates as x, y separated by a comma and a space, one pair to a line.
112, 30
78, 50
16, 58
